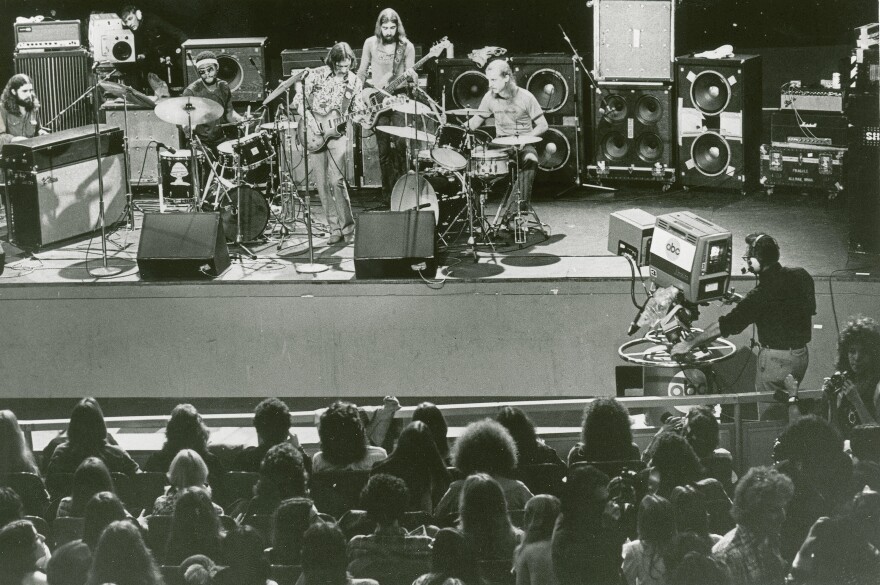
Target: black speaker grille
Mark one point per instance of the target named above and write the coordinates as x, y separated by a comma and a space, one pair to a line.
710, 92
614, 108
469, 88
711, 154
649, 110
230, 71
650, 147
615, 146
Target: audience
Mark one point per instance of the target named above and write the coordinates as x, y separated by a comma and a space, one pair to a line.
646, 560
188, 469
281, 477
195, 528
102, 509
532, 561
122, 558
245, 563
606, 434
290, 521
416, 461
272, 423
390, 554
751, 550
702, 432
91, 477
185, 430
485, 447
15, 456
344, 441
69, 564
428, 413
691, 514
87, 437
484, 520
699, 569
11, 507
531, 450
864, 442
586, 542
324, 560
23, 554
198, 570
452, 561
673, 464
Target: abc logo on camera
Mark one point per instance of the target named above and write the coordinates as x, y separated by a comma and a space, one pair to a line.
673, 249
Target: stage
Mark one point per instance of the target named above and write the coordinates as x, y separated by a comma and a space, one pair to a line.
544, 320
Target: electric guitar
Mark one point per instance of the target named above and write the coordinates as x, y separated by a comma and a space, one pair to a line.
376, 98
323, 128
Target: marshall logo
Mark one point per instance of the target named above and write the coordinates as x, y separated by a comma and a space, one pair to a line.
807, 124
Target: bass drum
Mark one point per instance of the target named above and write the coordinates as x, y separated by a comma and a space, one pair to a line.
254, 213
441, 194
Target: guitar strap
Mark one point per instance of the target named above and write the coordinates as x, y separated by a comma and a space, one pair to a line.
348, 94
399, 53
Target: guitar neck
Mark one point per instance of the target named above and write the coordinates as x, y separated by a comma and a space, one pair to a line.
398, 80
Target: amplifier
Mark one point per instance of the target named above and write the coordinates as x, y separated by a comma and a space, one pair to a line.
47, 35
823, 129
60, 77
805, 166
816, 99
60, 149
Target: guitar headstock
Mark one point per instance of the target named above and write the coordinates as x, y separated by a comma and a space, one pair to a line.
442, 45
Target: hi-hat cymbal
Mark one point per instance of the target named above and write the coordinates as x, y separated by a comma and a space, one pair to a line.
516, 140
185, 109
408, 133
130, 94
468, 112
412, 107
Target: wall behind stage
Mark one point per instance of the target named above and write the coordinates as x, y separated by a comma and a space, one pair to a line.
518, 25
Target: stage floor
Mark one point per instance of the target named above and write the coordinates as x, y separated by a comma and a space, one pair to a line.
812, 232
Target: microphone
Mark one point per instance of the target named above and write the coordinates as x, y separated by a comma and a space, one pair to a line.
634, 326
170, 149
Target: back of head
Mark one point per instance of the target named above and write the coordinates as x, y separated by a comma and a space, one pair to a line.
702, 430
11, 507
324, 555
282, 474
122, 558
699, 569
188, 469
676, 461
195, 527
243, 550
428, 413
186, 430
291, 519
540, 517
485, 446
69, 564
415, 446
91, 477
581, 498
520, 427
198, 570
385, 498
272, 421
15, 456
453, 558
342, 435
481, 503
762, 247
102, 509
17, 550
87, 429
691, 513
656, 521
758, 492
606, 432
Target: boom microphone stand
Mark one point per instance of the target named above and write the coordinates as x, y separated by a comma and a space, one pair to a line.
311, 267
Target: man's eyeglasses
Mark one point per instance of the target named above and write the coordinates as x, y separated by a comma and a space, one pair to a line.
206, 70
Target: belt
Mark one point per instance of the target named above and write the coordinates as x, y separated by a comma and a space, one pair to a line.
779, 347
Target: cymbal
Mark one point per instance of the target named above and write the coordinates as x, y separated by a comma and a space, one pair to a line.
181, 110
285, 85
286, 125
130, 94
468, 112
412, 107
408, 133
516, 140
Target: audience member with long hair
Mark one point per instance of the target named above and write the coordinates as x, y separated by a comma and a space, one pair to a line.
533, 559
324, 557
188, 469
674, 463
452, 561
857, 401
185, 430
344, 442
586, 543
102, 509
484, 520
428, 413
87, 437
91, 477
645, 561
485, 446
122, 558
700, 569
691, 513
15, 456
530, 449
282, 476
23, 554
69, 564
245, 562
195, 528
606, 434
11, 507
416, 461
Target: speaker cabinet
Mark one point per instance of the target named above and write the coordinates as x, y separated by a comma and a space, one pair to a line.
242, 64
552, 78
144, 129
111, 42
560, 154
182, 246
862, 176
633, 40
633, 131
719, 121
60, 77
387, 244
459, 83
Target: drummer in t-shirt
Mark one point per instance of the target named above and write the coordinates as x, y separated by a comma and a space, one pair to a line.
517, 113
211, 87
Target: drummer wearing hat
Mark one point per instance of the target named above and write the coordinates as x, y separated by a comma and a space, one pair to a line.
211, 87
517, 113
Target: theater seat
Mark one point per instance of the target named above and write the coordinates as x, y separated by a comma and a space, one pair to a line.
543, 478
158, 529
30, 489
613, 468
66, 529
336, 492
236, 485
147, 486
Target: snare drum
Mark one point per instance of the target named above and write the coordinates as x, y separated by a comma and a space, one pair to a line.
490, 163
254, 151
426, 163
450, 149
174, 173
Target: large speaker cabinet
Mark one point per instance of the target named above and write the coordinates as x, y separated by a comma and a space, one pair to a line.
633, 40
552, 78
242, 64
458, 83
182, 245
60, 77
633, 129
144, 130
719, 121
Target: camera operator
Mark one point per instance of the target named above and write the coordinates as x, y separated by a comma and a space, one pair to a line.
852, 394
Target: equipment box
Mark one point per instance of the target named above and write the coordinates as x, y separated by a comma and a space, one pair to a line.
802, 165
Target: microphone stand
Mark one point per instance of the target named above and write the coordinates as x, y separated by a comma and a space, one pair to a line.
311, 267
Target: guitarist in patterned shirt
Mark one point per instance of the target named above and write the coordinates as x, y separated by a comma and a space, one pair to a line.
331, 91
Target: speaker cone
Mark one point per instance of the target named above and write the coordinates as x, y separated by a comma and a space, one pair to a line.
614, 108
554, 151
230, 71
468, 89
614, 146
710, 92
549, 88
711, 154
649, 111
649, 147
121, 51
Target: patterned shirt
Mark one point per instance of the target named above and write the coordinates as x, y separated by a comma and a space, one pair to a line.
390, 558
327, 92
750, 560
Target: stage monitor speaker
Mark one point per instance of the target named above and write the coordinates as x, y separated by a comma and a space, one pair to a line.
182, 246
633, 132
242, 64
60, 77
395, 244
719, 121
459, 83
633, 40
111, 42
553, 79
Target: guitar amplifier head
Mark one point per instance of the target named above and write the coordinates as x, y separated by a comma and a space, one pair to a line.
47, 35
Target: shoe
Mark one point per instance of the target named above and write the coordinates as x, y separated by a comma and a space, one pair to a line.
349, 238
334, 239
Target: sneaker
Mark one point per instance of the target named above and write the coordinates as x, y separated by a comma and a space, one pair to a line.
334, 239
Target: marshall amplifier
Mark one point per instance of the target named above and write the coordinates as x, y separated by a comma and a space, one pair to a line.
821, 129
802, 165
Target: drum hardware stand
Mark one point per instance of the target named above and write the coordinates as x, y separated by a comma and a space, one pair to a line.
523, 208
239, 239
311, 267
